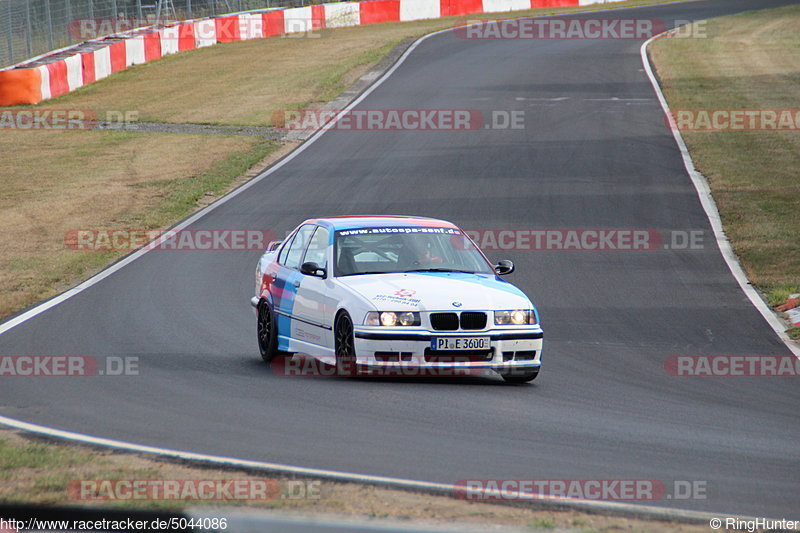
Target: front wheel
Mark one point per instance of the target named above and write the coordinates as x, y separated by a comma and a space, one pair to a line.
267, 332
520, 377
345, 345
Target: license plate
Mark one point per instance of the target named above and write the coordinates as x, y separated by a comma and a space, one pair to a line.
460, 343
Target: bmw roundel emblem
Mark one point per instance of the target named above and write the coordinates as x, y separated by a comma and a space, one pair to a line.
456, 304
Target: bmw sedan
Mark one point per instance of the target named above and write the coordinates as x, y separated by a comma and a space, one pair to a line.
382, 292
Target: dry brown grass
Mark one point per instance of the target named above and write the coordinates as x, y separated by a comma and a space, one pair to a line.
54, 182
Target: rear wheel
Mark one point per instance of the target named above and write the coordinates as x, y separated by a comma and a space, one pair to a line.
267, 332
520, 377
345, 345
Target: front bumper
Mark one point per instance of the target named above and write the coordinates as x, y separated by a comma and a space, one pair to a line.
510, 349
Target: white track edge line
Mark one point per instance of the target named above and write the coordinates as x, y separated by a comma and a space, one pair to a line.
428, 486
703, 189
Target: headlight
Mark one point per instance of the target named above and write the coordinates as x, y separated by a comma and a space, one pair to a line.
389, 318
516, 317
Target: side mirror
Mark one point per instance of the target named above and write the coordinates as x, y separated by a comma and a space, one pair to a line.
273, 245
312, 269
504, 267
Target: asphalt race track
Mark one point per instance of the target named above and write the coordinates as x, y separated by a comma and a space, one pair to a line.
594, 153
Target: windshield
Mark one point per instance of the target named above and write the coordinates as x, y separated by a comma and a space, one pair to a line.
406, 249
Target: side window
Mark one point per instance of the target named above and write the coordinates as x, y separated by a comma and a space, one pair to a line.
285, 250
318, 247
298, 246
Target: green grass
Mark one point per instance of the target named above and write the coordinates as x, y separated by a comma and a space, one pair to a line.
36, 456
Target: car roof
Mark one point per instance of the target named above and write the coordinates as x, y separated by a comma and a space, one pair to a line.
378, 221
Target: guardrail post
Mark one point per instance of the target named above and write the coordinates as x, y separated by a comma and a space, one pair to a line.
49, 19
28, 30
68, 19
9, 38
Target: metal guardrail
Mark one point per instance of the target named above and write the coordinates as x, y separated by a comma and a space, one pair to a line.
29, 28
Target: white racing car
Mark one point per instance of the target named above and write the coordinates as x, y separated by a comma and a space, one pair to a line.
374, 292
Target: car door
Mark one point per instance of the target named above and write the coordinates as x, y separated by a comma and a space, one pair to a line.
313, 307
287, 278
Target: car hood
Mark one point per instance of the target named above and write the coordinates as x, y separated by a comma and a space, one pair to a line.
436, 291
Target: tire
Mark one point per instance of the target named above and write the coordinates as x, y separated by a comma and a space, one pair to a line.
267, 328
520, 377
345, 345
